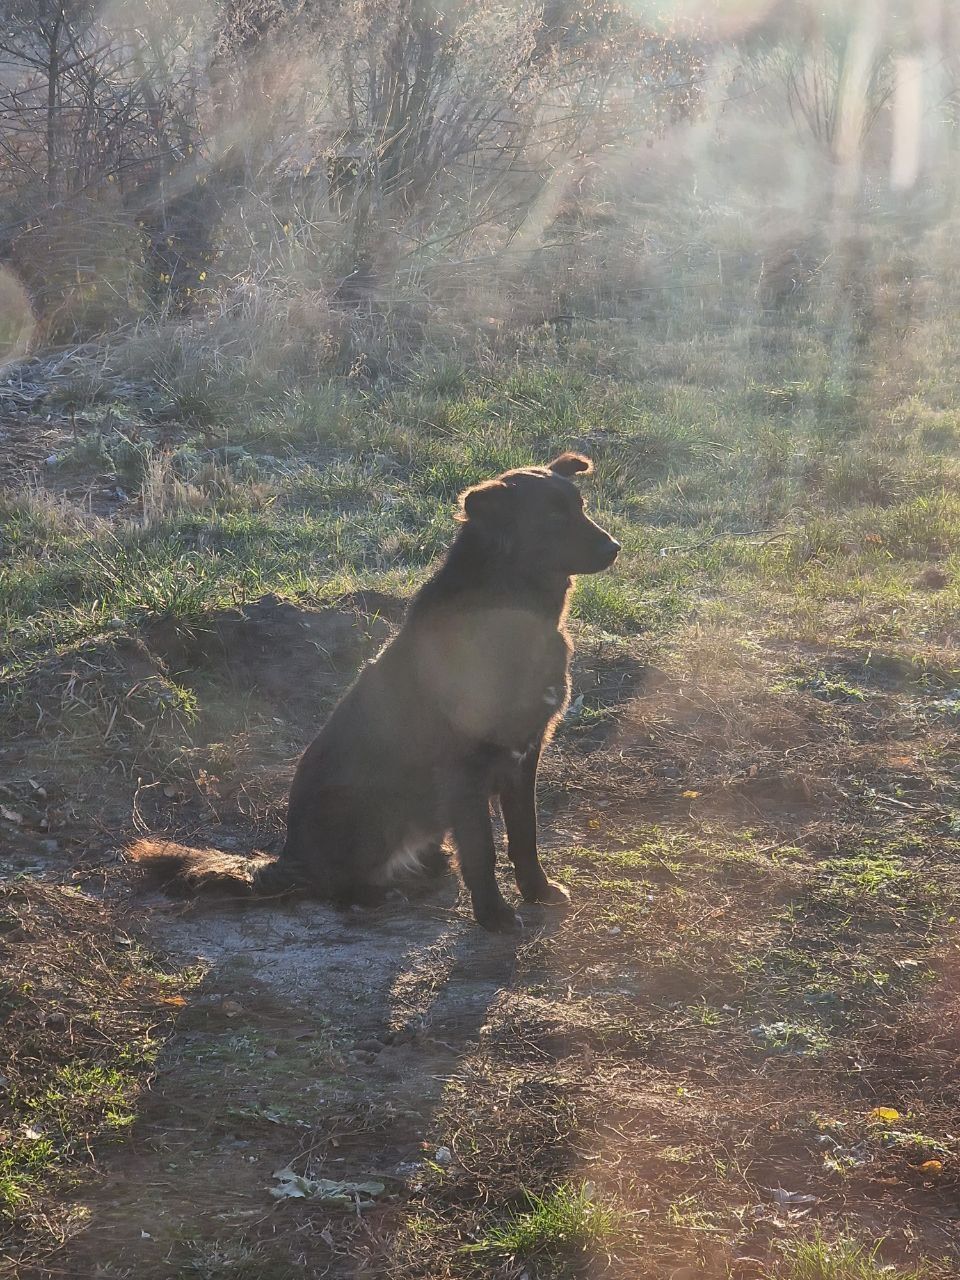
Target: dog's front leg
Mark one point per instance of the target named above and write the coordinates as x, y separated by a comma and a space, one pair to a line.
518, 803
473, 834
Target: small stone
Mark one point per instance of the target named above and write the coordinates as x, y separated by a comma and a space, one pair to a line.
443, 1157
371, 1045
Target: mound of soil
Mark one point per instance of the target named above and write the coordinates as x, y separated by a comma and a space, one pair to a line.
282, 651
85, 727
99, 687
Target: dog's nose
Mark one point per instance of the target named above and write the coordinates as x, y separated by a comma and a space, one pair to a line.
614, 549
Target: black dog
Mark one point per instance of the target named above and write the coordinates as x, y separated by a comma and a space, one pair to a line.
455, 710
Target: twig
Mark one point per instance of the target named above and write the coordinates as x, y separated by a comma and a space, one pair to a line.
724, 537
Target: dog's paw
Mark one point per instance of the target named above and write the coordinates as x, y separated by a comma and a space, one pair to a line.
548, 893
498, 917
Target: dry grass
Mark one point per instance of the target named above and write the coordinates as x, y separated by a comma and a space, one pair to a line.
753, 800
83, 1012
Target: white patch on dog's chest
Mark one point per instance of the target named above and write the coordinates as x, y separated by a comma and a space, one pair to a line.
405, 859
551, 698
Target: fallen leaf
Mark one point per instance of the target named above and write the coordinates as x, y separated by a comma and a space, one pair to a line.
690, 795
11, 815
275, 1115
789, 1199
932, 1166
884, 1115
339, 1194
176, 1001
575, 709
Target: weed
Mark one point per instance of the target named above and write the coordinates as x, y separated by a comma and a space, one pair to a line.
821, 1259
79, 1041
229, 1260
564, 1222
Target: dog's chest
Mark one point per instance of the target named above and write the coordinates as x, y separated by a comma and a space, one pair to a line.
499, 675
528, 727
533, 684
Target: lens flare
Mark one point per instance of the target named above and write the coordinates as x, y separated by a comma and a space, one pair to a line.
17, 323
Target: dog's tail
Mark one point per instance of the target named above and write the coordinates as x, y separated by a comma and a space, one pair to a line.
186, 872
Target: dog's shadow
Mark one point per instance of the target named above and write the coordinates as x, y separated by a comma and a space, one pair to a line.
307, 1019
444, 980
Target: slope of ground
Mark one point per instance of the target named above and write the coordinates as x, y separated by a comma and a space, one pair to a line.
736, 1056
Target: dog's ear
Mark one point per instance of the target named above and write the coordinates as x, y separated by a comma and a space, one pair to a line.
570, 464
485, 503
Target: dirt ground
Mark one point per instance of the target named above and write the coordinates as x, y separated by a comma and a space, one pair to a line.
703, 1040
742, 1038
316, 1041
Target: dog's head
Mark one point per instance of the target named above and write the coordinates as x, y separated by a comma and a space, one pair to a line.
535, 515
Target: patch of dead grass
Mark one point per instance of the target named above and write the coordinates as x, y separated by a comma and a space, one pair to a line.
83, 1011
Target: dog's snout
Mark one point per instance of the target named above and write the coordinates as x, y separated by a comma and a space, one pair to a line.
613, 550
603, 551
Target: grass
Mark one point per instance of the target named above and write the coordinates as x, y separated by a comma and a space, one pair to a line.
78, 1103
228, 1260
85, 1014
753, 799
823, 1259
563, 1223
270, 517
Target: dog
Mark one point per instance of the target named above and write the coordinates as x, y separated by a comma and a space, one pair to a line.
454, 711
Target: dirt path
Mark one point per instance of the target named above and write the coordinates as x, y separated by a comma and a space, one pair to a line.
691, 1041
316, 1040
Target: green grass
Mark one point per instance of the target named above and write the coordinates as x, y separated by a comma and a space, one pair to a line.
821, 1259
562, 1223
85, 1015
24, 1164
78, 1102
715, 494
873, 875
